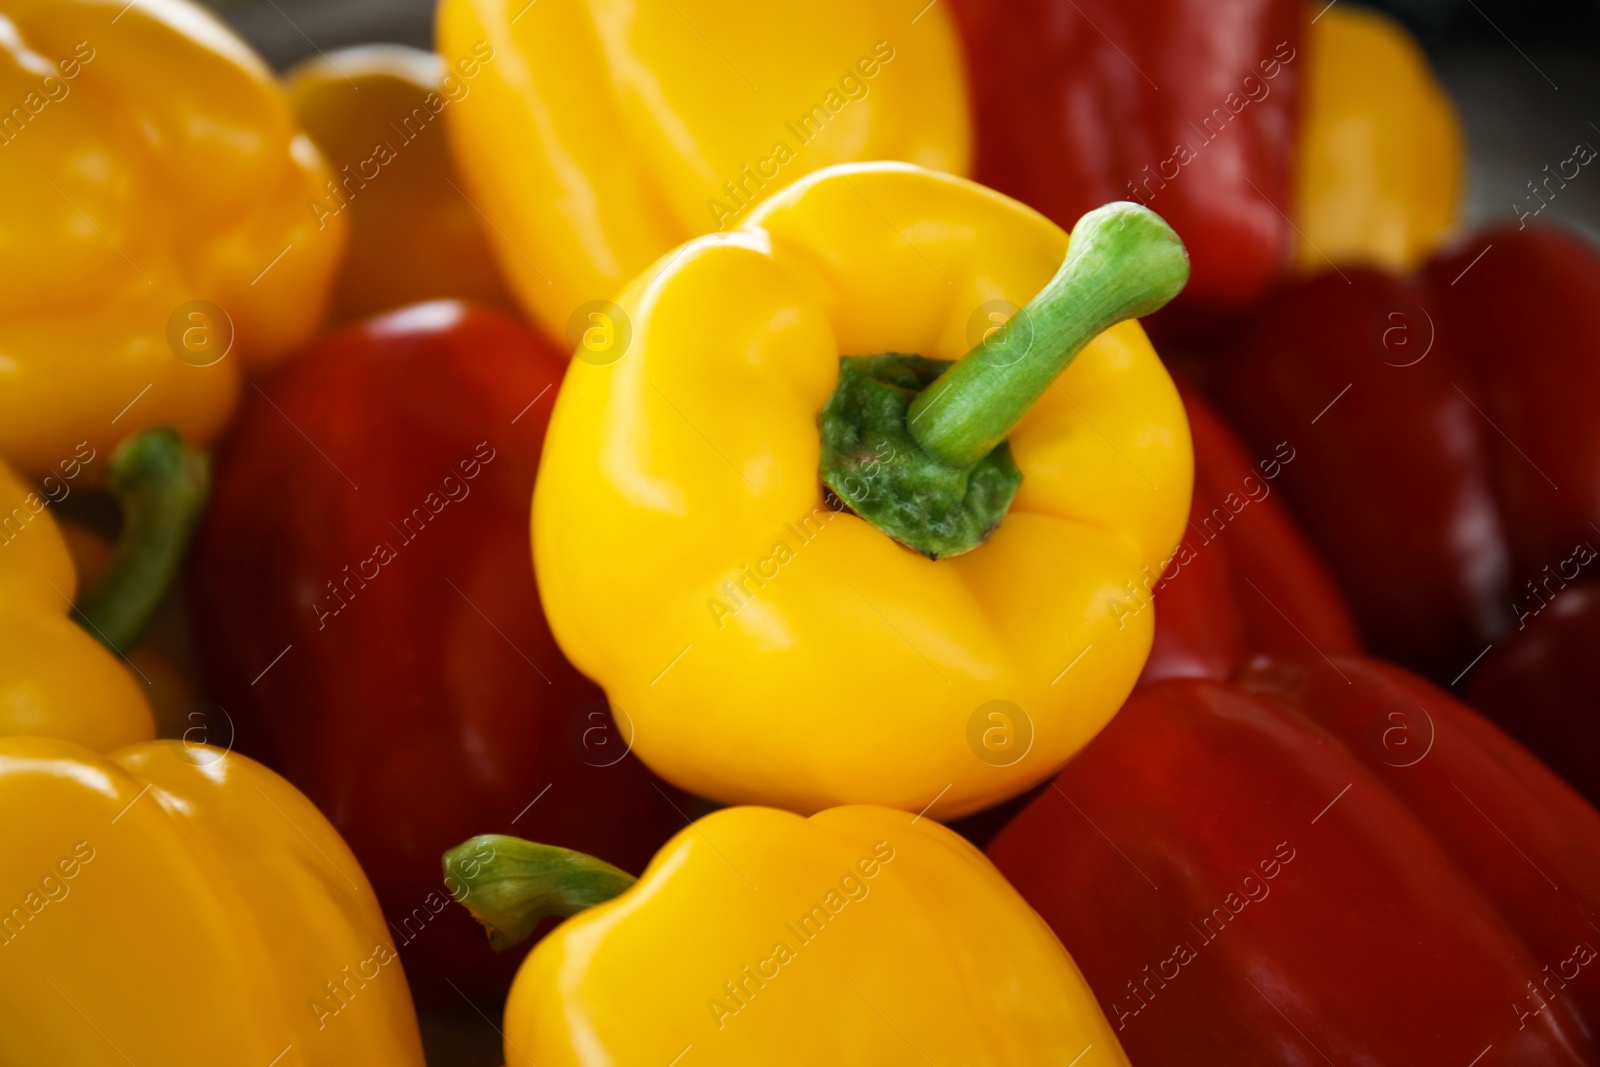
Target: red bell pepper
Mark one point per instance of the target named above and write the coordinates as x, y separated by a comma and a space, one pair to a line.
1542, 684
366, 607
1450, 458
1188, 106
1243, 580
1328, 860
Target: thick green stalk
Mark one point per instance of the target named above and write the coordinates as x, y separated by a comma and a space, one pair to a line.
161, 484
1124, 261
511, 885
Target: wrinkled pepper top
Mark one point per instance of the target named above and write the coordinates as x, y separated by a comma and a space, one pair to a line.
858, 936
149, 161
599, 135
765, 648
175, 903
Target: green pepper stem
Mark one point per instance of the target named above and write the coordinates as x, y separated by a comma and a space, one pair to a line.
511, 885
161, 484
1123, 262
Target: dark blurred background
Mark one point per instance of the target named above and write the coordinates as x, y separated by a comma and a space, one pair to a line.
1525, 73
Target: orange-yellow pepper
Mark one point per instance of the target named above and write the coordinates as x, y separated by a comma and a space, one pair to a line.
598, 136
377, 112
858, 936
1382, 160
157, 242
176, 904
55, 678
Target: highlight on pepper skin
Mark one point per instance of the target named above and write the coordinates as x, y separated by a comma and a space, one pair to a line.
656, 533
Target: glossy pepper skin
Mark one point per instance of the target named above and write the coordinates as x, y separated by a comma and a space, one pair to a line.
55, 678
1187, 106
1263, 130
595, 139
1382, 163
1244, 579
858, 936
377, 112
132, 194
421, 697
1306, 862
1453, 486
770, 649
178, 904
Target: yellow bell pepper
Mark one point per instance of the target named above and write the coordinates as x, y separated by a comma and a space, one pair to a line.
157, 243
858, 936
598, 136
377, 112
176, 904
55, 678
1382, 160
759, 646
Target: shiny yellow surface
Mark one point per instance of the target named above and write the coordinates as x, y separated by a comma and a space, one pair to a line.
602, 132
1382, 161
757, 936
380, 111
854, 672
207, 909
55, 679
166, 169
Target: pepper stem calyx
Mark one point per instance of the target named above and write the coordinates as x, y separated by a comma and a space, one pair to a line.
917, 446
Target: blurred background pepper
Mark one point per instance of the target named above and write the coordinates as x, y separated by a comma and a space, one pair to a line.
595, 141
368, 615
1450, 467
158, 244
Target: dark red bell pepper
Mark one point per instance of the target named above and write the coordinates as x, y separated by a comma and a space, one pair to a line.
1188, 106
1542, 684
365, 603
1450, 457
1243, 580
1328, 860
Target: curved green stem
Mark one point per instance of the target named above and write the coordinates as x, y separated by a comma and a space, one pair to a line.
511, 885
917, 446
161, 484
1123, 262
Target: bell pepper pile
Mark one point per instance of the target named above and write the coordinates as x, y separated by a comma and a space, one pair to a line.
690, 493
